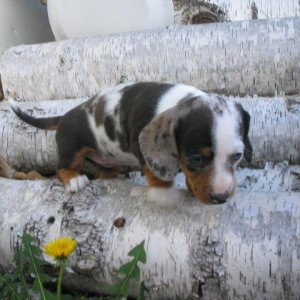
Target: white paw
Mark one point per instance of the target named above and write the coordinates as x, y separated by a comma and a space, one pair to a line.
165, 196
76, 184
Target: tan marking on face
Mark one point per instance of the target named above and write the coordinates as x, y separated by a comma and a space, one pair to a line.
206, 151
199, 183
153, 181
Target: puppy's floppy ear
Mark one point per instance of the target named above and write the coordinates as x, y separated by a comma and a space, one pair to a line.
246, 125
158, 145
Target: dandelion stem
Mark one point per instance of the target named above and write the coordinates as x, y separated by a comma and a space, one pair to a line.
60, 277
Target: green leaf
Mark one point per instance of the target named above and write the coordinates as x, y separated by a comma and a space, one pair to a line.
17, 256
113, 288
10, 290
49, 295
36, 285
23, 294
35, 249
42, 278
131, 270
25, 289
46, 278
125, 269
66, 297
139, 252
142, 290
40, 262
136, 273
27, 240
123, 291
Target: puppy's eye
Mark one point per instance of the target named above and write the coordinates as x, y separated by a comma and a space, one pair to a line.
236, 157
198, 160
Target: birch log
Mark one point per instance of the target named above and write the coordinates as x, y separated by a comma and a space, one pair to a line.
246, 249
190, 11
238, 58
274, 132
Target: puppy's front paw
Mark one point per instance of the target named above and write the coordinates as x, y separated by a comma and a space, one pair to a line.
76, 184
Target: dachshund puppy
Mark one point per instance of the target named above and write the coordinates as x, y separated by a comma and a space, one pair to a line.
159, 127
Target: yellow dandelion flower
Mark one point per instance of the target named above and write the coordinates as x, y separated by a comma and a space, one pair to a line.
61, 248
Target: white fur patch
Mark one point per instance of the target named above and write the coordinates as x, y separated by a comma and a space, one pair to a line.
174, 95
113, 96
227, 142
111, 152
77, 184
112, 100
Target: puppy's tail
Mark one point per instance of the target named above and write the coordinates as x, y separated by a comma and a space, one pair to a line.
42, 123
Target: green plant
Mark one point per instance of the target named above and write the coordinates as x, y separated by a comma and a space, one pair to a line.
130, 270
29, 275
15, 285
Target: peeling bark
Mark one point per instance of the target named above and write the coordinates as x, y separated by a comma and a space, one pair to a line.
198, 12
248, 248
234, 10
274, 132
236, 58
7, 171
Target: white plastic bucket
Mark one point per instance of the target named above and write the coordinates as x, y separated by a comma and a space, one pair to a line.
81, 18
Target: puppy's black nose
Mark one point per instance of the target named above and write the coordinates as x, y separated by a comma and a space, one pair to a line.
219, 198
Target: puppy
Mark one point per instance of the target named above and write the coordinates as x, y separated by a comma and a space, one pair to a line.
160, 127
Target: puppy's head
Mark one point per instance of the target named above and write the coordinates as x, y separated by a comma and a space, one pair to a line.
204, 136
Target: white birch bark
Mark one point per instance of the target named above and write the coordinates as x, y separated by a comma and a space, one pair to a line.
248, 248
235, 58
274, 132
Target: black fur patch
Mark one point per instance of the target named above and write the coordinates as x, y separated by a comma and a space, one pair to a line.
123, 142
109, 126
244, 130
194, 131
136, 111
72, 135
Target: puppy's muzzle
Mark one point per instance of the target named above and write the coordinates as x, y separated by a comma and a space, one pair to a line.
219, 198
